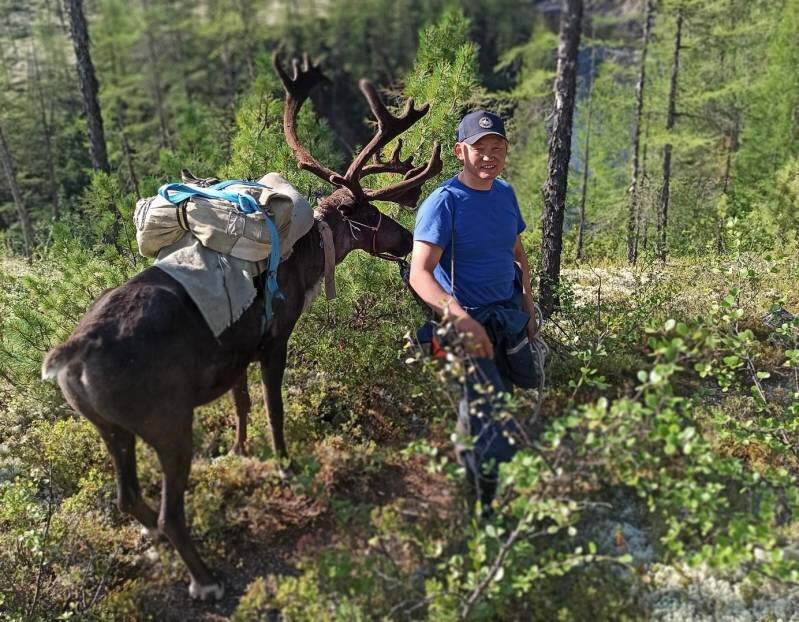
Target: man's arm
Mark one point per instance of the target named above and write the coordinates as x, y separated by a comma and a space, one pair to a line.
425, 258
527, 295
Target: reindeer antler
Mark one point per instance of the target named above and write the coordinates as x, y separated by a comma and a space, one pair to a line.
388, 126
297, 89
394, 165
405, 192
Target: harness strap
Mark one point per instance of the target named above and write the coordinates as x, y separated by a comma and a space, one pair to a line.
355, 229
183, 218
446, 191
271, 289
330, 258
178, 194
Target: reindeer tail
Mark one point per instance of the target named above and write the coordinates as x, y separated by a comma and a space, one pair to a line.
58, 357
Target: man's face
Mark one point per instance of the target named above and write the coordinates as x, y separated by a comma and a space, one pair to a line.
485, 159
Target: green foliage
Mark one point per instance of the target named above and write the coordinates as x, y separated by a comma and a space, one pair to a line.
668, 432
527, 157
259, 146
201, 146
659, 446
613, 102
254, 604
444, 75
712, 508
770, 136
779, 211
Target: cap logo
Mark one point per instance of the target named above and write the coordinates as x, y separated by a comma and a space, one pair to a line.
485, 123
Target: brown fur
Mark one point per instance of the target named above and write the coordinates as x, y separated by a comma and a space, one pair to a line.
143, 358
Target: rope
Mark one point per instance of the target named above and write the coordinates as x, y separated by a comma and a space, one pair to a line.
330, 257
541, 350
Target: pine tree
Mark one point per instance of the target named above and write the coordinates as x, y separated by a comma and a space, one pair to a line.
444, 75
10, 174
771, 135
259, 146
635, 199
663, 207
46, 133
79, 32
554, 189
155, 78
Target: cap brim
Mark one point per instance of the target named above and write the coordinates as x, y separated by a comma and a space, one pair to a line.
473, 139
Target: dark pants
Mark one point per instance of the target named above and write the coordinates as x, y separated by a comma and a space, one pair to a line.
485, 439
490, 437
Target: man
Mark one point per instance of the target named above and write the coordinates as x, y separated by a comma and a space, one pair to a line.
469, 264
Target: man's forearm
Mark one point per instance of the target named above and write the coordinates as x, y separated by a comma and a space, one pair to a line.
429, 290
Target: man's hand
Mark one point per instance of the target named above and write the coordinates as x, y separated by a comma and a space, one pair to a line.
475, 337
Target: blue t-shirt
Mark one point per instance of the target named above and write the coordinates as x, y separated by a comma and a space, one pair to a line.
487, 223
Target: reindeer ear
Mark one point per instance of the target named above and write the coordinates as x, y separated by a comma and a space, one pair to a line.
187, 177
409, 198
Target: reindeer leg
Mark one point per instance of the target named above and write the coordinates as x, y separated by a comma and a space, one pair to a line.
174, 452
273, 364
121, 445
241, 398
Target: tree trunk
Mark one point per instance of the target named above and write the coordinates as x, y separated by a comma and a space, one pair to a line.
586, 152
55, 203
554, 190
635, 198
11, 179
643, 187
127, 155
155, 79
732, 147
79, 33
663, 207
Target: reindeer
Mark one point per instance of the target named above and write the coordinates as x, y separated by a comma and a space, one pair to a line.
142, 358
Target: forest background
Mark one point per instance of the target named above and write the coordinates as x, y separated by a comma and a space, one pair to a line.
659, 477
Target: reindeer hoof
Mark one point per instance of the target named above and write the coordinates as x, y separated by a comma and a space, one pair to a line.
213, 591
286, 471
156, 535
152, 554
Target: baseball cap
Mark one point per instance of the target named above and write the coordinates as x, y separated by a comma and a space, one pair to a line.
479, 123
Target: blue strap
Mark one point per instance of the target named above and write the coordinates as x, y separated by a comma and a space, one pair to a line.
271, 271
251, 203
177, 193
